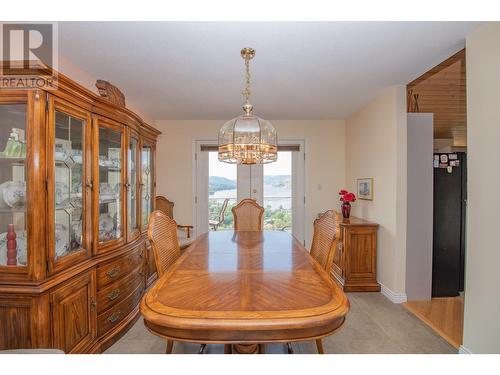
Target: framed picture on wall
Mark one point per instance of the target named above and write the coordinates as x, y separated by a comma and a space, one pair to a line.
365, 188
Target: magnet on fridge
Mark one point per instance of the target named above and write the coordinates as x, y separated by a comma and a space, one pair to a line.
449, 169
436, 163
436, 157
444, 158
453, 156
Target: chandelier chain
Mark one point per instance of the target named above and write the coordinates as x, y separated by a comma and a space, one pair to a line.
246, 93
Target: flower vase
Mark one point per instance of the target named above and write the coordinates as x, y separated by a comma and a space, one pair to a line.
346, 210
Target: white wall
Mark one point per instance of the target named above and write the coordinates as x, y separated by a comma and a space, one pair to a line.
325, 162
376, 147
87, 80
482, 276
420, 206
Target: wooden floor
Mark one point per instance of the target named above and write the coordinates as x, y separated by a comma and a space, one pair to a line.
443, 315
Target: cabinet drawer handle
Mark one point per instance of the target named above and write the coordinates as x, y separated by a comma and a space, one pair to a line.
93, 305
115, 316
113, 294
113, 272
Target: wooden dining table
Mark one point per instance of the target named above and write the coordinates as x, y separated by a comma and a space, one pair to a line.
245, 289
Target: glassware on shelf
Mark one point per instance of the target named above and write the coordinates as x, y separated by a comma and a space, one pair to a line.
147, 183
132, 186
16, 145
110, 184
13, 192
68, 185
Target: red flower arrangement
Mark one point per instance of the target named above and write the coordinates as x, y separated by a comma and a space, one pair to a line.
346, 198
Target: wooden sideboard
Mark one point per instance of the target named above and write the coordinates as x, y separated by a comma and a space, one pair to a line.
81, 174
355, 263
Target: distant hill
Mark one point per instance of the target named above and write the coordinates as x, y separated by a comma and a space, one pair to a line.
217, 183
283, 181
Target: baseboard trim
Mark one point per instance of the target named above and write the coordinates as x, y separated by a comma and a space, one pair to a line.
463, 350
392, 296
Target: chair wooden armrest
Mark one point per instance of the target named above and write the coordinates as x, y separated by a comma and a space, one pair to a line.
189, 228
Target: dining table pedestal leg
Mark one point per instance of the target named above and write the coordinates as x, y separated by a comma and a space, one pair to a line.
248, 348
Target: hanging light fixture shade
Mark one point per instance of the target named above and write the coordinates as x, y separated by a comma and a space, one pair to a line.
248, 139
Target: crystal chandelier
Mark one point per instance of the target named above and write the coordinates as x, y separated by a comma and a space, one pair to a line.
248, 139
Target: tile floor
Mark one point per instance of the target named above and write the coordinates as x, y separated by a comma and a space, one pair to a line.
374, 325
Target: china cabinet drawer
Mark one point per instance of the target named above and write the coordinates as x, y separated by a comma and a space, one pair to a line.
110, 272
117, 313
117, 291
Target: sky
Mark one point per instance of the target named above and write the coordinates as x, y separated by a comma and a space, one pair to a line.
283, 166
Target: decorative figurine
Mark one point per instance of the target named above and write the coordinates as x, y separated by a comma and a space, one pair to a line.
11, 246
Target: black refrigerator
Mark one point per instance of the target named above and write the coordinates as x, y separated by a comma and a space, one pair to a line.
450, 199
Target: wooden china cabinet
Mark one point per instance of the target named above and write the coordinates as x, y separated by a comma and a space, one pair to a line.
77, 184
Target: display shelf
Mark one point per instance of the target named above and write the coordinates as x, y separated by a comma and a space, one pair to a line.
15, 160
10, 210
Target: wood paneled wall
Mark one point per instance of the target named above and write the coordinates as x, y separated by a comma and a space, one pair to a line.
442, 91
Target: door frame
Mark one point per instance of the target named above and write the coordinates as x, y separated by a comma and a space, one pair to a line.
299, 205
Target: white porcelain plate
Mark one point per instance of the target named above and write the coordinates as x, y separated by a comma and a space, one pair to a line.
13, 194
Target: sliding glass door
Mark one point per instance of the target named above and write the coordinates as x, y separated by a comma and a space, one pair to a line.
278, 187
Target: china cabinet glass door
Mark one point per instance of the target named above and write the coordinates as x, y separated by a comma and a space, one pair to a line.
69, 194
147, 182
132, 186
13, 236
109, 161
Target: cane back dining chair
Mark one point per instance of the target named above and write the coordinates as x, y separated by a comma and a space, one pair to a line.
167, 207
326, 239
184, 231
324, 245
248, 215
162, 234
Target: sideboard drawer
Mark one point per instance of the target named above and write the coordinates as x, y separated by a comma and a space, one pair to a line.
114, 270
111, 317
117, 291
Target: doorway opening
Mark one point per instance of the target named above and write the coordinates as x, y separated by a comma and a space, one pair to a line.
437, 197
